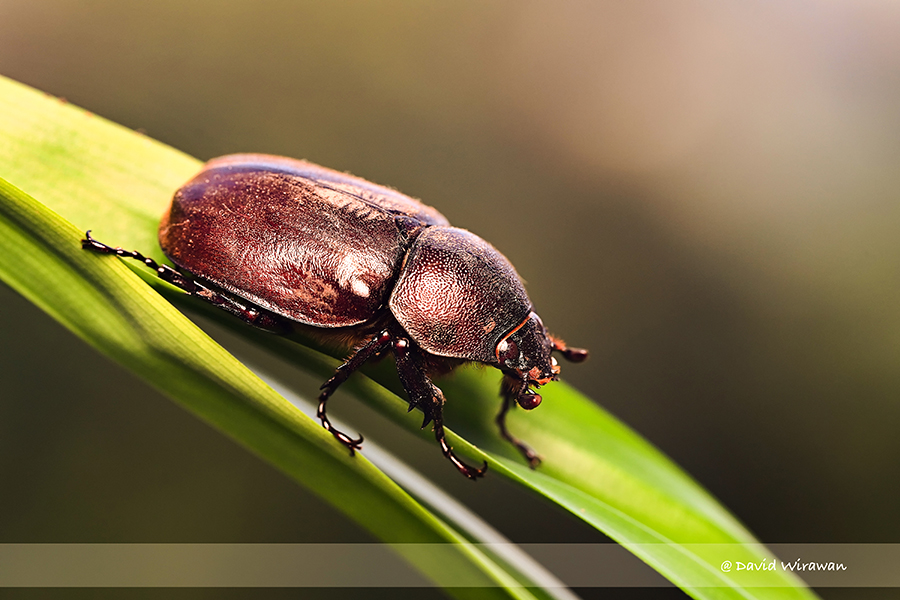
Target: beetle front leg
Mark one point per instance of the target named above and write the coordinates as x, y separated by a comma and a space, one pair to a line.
512, 390
423, 393
343, 372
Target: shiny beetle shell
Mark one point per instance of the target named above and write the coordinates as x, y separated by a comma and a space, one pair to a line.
299, 240
283, 243
457, 296
323, 248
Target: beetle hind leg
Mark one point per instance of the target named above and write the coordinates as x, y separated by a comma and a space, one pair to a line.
244, 311
511, 389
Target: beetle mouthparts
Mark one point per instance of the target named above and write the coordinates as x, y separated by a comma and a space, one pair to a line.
529, 399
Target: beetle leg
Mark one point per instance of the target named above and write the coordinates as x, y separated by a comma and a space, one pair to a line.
343, 372
575, 355
511, 389
423, 393
246, 313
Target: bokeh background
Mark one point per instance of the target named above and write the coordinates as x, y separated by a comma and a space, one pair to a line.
706, 194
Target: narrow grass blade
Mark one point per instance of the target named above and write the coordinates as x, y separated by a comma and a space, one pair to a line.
105, 304
117, 182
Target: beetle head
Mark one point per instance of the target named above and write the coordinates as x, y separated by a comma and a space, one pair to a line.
525, 353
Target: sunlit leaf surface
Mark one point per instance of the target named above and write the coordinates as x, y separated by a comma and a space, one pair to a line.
97, 175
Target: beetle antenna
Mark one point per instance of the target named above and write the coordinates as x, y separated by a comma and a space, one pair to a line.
575, 355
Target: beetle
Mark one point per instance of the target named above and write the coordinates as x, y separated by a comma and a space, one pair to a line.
287, 245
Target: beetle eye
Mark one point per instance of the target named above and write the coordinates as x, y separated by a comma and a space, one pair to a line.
507, 351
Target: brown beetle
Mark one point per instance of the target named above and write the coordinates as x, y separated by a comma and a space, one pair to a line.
286, 244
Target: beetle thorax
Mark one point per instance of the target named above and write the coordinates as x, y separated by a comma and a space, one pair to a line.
457, 296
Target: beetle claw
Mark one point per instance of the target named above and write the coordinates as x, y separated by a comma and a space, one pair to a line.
352, 445
532, 457
467, 470
471, 472
349, 442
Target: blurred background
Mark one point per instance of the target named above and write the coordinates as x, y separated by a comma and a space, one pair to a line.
705, 194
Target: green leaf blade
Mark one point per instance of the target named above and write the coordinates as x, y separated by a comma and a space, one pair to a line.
102, 176
106, 304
